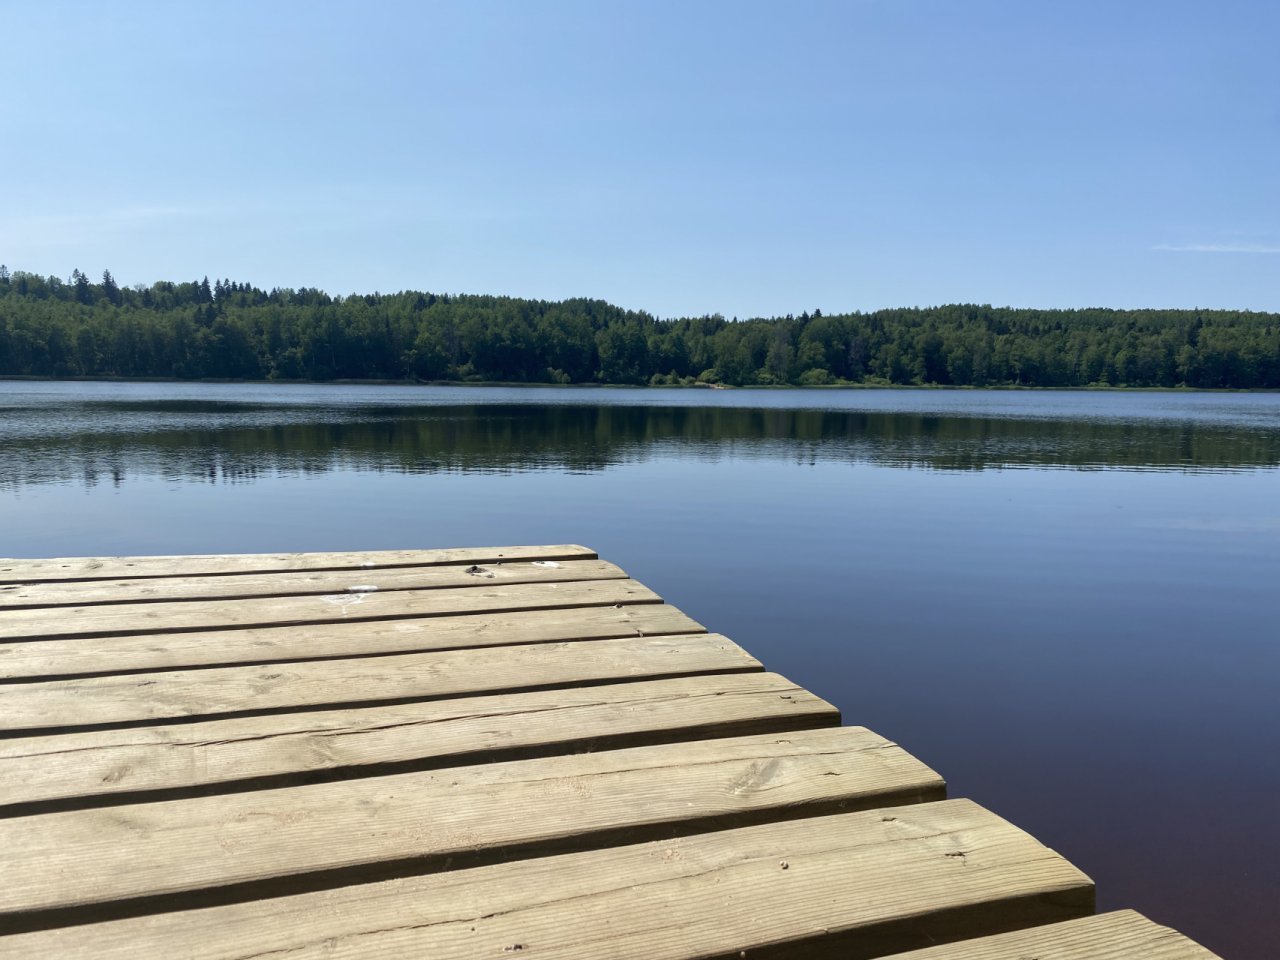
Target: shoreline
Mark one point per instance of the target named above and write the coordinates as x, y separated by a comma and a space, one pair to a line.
21, 378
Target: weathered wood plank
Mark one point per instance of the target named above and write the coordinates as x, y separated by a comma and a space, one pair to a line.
850, 886
16, 570
50, 659
19, 602
15, 596
1123, 935
484, 597
174, 695
62, 867
85, 769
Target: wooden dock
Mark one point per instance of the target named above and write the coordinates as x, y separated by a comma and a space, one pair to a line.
474, 753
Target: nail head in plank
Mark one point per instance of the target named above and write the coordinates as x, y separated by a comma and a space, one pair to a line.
16, 570
86, 769
252, 844
851, 886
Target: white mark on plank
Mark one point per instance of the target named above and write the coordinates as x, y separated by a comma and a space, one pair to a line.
343, 600
362, 588
546, 563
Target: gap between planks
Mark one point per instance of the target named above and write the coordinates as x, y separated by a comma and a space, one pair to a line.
185, 853
30, 660
191, 616
68, 771
19, 596
186, 695
852, 886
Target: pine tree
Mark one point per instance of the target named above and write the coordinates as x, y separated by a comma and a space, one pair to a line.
83, 291
109, 288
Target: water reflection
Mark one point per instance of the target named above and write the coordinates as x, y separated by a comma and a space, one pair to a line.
226, 442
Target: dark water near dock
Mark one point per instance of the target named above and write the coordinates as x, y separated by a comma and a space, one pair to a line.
1066, 603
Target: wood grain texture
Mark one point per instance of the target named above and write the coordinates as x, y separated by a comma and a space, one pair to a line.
850, 886
1123, 935
178, 694
60, 867
87, 767
14, 596
485, 597
15, 570
33, 659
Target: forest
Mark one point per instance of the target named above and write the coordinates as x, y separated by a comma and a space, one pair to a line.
51, 327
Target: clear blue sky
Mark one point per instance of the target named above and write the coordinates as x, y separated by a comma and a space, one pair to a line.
684, 158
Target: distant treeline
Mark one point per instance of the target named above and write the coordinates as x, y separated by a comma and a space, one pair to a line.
228, 330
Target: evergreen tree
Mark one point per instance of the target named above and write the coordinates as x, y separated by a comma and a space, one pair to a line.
109, 288
80, 285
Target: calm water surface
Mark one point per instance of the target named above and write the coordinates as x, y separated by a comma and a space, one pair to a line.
1064, 602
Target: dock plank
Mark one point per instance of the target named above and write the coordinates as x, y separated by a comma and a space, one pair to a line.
180, 694
851, 886
17, 570
254, 844
85, 769
181, 616
50, 659
245, 586
1123, 935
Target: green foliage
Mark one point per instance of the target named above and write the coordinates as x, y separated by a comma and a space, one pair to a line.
232, 330
815, 377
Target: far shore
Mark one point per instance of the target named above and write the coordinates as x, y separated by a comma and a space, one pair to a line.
1091, 388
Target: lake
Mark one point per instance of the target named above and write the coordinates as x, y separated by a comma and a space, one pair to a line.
1064, 602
